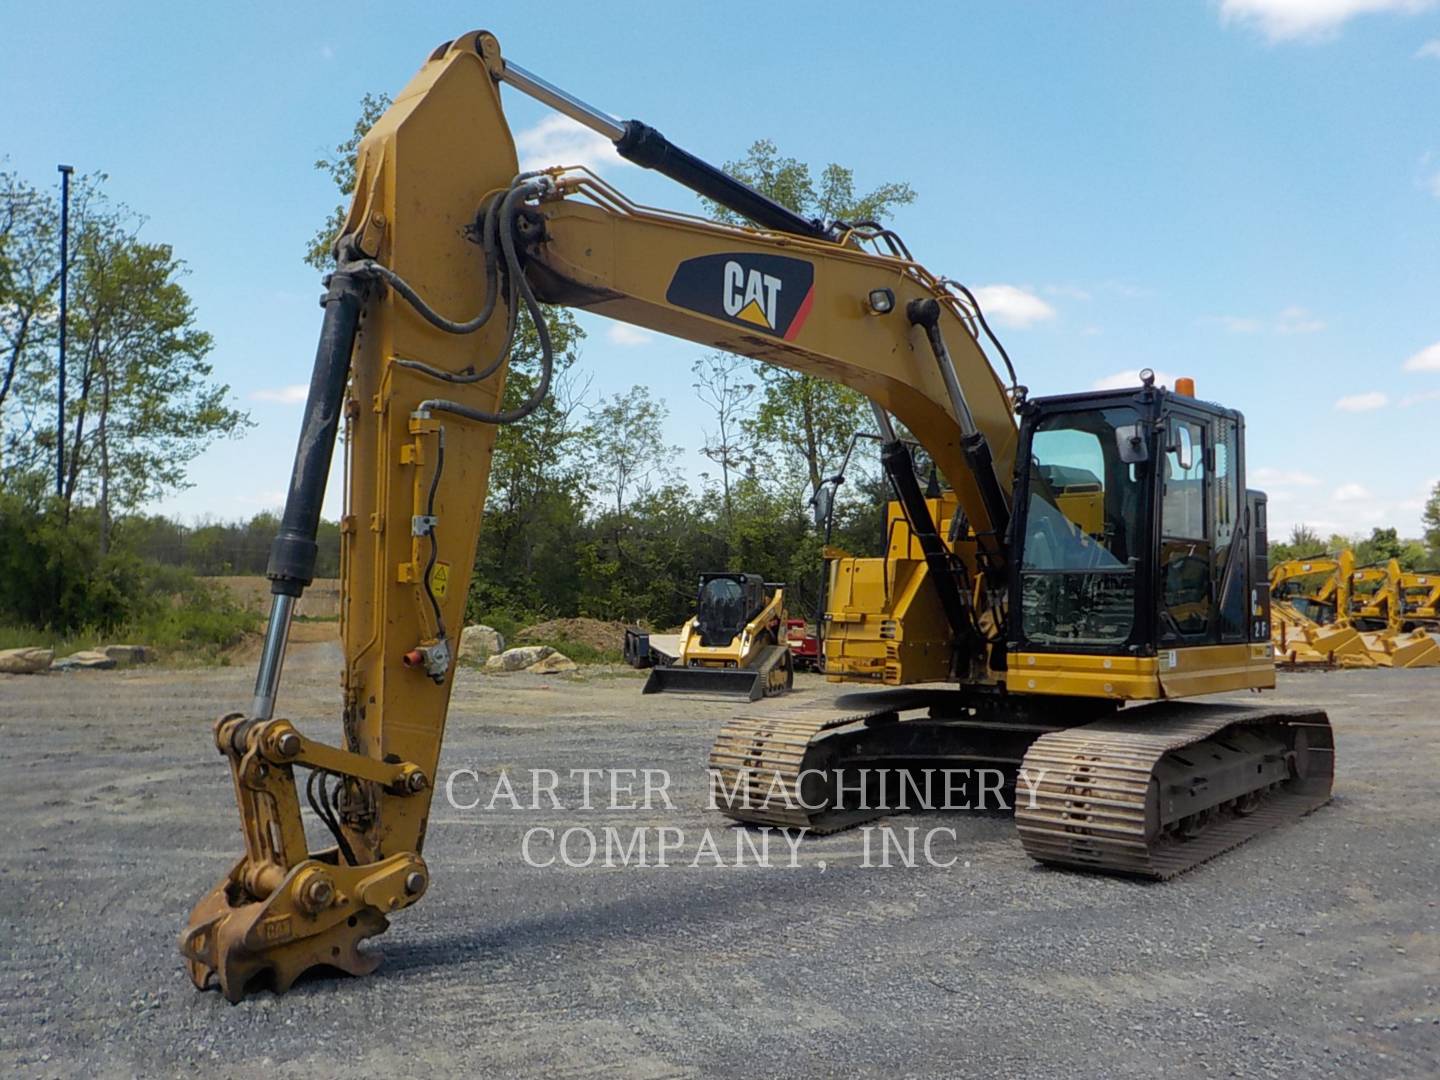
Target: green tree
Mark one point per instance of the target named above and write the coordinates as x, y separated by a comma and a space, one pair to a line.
29, 274
1413, 555
526, 559
721, 383
339, 165
141, 400
791, 183
1304, 542
1431, 518
626, 451
809, 419
1380, 546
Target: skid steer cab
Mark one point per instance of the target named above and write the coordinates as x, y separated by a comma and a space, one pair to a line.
734, 645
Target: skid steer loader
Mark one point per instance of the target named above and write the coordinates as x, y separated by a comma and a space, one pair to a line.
735, 645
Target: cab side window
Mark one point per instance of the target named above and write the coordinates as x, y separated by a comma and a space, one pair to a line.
1185, 548
1231, 562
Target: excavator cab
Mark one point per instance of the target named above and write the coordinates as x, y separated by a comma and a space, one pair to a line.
1140, 563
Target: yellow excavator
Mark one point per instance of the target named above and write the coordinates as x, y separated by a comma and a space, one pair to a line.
1393, 640
1307, 599
735, 644
1085, 552
1420, 592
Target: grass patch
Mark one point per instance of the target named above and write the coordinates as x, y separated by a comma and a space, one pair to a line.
61, 644
198, 626
580, 652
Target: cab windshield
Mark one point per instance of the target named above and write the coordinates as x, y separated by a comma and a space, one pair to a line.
721, 612
1083, 537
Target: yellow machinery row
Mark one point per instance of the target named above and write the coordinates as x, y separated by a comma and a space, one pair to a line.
1326, 611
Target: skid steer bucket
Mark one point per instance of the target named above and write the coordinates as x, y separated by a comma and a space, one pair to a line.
769, 676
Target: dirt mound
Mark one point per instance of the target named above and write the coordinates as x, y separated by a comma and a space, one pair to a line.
592, 632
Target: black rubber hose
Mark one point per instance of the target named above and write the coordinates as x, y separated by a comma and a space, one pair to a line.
980, 317
537, 316
434, 541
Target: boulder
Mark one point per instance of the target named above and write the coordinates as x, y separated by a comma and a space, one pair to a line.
555, 662
480, 642
89, 660
129, 654
25, 661
518, 659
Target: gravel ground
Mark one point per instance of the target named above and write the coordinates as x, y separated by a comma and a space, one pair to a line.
1313, 951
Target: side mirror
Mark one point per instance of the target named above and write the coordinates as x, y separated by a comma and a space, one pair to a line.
823, 502
1181, 445
1130, 442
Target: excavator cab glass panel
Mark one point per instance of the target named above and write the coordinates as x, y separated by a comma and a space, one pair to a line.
1185, 548
1082, 533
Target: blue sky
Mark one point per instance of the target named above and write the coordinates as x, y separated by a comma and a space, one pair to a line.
1245, 191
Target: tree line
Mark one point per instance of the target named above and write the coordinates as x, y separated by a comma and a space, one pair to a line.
587, 514
1382, 545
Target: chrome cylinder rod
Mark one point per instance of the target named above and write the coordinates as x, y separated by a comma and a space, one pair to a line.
272, 656
882, 421
561, 101
640, 143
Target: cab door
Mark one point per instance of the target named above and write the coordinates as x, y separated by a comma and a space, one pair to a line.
1187, 532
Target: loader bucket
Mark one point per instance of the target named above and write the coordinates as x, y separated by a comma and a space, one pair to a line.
1414, 651
1300, 643
747, 684
1337, 642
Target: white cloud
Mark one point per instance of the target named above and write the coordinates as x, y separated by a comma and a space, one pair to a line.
1292, 320
1238, 324
1430, 49
282, 395
1123, 380
1285, 477
1011, 306
1427, 359
1297, 320
1282, 20
558, 140
624, 334
1366, 402
1351, 493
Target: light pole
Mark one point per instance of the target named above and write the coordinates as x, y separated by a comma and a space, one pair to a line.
65, 171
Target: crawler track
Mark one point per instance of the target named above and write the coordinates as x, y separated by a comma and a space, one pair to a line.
1157, 790
765, 766
1151, 791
